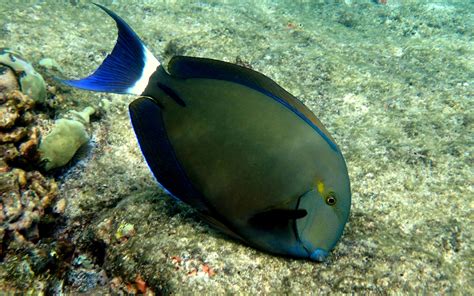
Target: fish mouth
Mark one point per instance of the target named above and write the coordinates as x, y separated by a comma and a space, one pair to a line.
319, 255
311, 230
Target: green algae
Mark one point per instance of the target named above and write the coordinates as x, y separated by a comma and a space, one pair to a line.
125, 230
67, 135
31, 82
50, 64
59, 146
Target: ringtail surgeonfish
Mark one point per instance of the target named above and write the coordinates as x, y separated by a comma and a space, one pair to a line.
253, 160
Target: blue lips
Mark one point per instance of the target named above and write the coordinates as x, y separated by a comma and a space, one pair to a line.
319, 255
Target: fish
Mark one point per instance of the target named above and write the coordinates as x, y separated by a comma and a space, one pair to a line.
251, 158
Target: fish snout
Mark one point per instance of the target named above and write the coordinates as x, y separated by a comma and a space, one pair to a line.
319, 255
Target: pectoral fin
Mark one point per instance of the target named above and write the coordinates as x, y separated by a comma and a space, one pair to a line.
276, 218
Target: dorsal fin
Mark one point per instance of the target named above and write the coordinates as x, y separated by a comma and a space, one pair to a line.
192, 67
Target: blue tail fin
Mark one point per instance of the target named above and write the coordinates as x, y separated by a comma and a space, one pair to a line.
126, 70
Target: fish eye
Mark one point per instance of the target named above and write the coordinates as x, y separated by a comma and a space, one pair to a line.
331, 199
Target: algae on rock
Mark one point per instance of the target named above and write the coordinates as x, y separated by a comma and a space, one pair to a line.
67, 136
31, 82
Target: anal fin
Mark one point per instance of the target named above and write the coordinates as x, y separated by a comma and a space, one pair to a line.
151, 133
147, 121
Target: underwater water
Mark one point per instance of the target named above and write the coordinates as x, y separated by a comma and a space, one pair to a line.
393, 82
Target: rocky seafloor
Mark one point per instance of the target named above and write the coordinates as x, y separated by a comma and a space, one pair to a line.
394, 84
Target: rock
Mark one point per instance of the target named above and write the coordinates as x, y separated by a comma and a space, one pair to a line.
8, 116
60, 145
60, 206
28, 149
10, 196
125, 231
83, 116
19, 100
8, 79
14, 135
9, 152
50, 64
31, 82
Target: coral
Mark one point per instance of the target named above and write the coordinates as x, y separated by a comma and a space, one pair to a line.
84, 275
29, 211
51, 64
59, 146
83, 116
25, 193
18, 140
8, 80
24, 198
8, 116
125, 231
15, 110
67, 136
31, 82
14, 115
30, 247
14, 135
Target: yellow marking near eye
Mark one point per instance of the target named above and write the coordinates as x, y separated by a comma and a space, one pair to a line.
320, 186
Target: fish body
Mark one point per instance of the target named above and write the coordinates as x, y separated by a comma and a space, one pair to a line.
251, 158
